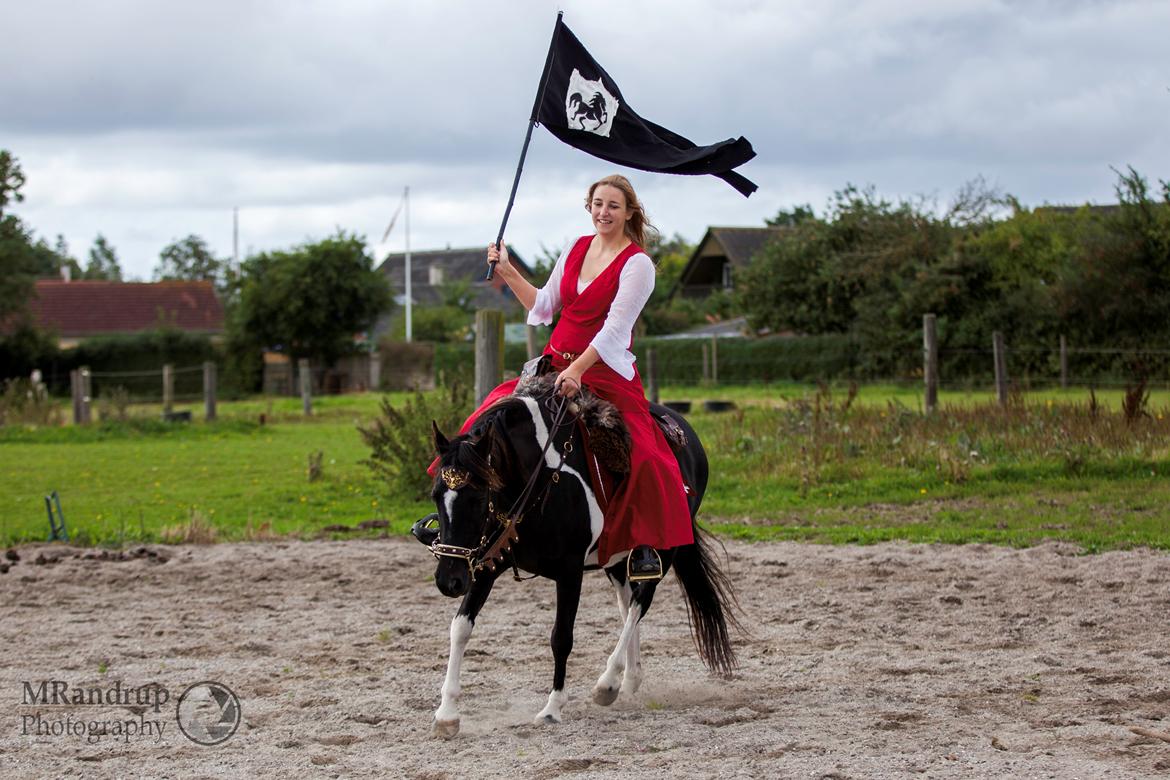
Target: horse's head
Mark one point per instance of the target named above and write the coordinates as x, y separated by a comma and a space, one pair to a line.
468, 480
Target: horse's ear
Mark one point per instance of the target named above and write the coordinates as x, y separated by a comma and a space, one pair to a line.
440, 441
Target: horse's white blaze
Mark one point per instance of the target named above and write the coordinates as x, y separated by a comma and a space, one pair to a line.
552, 710
460, 633
552, 459
449, 503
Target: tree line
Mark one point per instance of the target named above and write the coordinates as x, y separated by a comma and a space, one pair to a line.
308, 301
870, 268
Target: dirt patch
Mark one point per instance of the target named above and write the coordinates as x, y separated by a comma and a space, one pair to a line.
885, 661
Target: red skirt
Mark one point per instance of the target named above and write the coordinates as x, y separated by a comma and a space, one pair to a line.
650, 506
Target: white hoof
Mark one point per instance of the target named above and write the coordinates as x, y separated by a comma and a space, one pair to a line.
605, 695
546, 719
630, 685
445, 729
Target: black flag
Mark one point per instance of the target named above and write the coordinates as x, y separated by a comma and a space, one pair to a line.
581, 105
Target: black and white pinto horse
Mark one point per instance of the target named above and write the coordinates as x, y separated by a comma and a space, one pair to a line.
514, 492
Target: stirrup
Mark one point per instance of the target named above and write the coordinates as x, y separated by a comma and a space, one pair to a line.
645, 576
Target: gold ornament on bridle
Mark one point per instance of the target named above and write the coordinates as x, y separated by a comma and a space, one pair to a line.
454, 478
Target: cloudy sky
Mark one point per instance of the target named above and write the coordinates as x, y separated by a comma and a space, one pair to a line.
150, 120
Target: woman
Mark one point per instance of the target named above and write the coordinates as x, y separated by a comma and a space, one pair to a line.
600, 284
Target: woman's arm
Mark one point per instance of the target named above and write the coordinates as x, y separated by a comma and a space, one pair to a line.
541, 303
611, 343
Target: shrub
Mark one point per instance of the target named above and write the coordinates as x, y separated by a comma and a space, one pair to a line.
400, 439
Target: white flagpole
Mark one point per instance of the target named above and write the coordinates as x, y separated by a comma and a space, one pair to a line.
406, 202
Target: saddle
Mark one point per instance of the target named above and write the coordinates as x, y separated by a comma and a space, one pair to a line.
604, 432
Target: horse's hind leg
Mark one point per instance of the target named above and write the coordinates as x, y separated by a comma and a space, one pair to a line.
446, 723
608, 685
632, 676
568, 598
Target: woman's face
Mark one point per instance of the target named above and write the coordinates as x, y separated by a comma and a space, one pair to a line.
609, 211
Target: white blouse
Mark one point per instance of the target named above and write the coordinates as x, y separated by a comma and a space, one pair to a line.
634, 287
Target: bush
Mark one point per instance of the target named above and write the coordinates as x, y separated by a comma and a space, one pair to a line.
400, 439
456, 362
27, 403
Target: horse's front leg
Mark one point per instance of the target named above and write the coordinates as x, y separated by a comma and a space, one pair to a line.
608, 685
568, 598
446, 723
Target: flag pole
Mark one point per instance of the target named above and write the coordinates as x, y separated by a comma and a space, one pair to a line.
528, 136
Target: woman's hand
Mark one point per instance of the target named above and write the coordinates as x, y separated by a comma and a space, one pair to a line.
568, 383
499, 255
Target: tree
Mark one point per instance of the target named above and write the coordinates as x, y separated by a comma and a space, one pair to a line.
309, 301
103, 261
190, 259
11, 180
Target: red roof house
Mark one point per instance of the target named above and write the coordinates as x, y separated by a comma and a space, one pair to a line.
81, 309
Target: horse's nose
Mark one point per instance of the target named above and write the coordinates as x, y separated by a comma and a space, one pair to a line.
451, 581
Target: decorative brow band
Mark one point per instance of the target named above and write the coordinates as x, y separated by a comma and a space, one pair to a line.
454, 478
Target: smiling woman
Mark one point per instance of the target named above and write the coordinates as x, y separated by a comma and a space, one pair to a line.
600, 285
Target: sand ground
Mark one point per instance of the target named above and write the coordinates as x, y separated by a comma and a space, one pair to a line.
893, 660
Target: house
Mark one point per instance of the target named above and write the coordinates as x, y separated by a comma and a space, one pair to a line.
76, 310
431, 269
723, 249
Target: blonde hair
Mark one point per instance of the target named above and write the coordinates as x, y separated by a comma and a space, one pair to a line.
638, 227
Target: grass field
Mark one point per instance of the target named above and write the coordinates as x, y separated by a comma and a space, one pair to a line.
790, 463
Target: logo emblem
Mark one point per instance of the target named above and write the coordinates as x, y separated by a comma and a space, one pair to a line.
208, 713
589, 106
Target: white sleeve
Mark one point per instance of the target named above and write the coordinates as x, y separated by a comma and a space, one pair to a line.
548, 298
613, 340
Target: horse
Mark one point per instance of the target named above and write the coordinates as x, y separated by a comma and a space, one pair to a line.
515, 492
593, 110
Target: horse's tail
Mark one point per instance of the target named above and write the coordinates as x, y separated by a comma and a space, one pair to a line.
711, 602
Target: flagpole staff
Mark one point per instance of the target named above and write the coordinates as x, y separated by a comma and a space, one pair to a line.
528, 136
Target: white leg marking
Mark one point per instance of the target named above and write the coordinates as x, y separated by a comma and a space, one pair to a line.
552, 459
608, 684
632, 677
447, 716
552, 711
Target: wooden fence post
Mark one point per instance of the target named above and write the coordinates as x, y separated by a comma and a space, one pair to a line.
375, 371
930, 360
168, 376
1063, 362
86, 393
651, 376
75, 393
209, 391
714, 361
1001, 378
306, 386
530, 341
706, 364
489, 351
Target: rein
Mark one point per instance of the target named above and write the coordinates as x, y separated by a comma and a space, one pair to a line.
488, 555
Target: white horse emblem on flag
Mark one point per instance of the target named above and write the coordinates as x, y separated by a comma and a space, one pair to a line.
589, 106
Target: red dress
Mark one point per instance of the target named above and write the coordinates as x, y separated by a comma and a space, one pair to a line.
650, 507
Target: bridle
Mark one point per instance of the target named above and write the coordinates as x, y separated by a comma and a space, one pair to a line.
490, 553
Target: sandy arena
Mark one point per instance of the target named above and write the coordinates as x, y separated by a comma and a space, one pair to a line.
863, 662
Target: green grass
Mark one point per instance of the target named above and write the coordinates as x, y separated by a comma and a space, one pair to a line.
131, 481
791, 463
